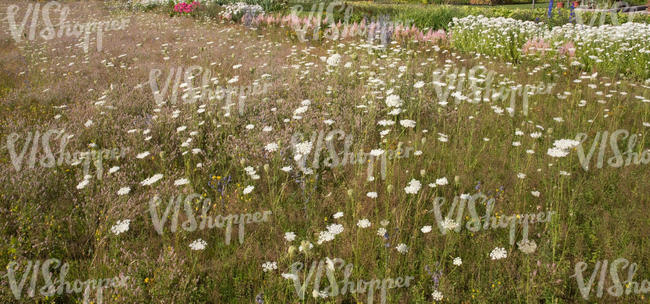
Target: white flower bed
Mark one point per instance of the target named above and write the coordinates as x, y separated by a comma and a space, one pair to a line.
617, 48
239, 9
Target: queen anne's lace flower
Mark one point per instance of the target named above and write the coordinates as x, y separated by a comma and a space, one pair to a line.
325, 236
498, 253
289, 236
334, 60
120, 227
272, 147
449, 224
527, 246
437, 295
269, 266
557, 152
413, 187
393, 101
151, 180
364, 223
407, 123
402, 248
335, 229
198, 244
457, 261
123, 191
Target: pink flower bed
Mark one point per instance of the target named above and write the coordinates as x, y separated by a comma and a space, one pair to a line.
306, 25
184, 7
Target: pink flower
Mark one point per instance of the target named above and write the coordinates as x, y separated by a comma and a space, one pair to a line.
345, 31
535, 45
436, 36
567, 49
184, 7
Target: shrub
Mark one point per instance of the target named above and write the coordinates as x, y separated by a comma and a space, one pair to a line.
480, 2
439, 16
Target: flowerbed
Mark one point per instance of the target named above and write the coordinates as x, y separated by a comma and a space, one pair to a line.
611, 49
314, 28
238, 10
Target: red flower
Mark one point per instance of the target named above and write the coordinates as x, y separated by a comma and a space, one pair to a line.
184, 7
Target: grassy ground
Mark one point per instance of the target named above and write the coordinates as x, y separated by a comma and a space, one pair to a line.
45, 214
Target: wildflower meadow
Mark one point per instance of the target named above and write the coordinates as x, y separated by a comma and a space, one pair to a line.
273, 151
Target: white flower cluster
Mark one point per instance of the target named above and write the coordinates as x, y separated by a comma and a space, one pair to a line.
150, 2
269, 266
498, 253
120, 227
625, 45
495, 36
332, 231
198, 244
413, 187
241, 8
334, 60
449, 224
561, 147
605, 35
393, 101
437, 295
485, 24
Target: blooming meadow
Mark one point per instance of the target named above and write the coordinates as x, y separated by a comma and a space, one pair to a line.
493, 160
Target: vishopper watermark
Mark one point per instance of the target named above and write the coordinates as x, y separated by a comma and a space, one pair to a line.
617, 288
346, 286
480, 88
302, 149
208, 91
600, 12
489, 221
48, 160
206, 221
49, 32
616, 161
379, 28
60, 286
